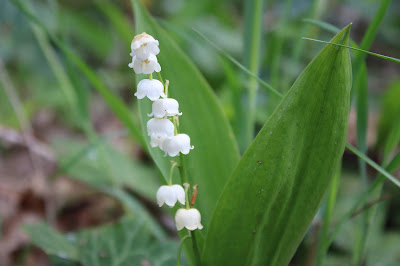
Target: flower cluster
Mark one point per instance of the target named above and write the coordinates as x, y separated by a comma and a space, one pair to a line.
163, 126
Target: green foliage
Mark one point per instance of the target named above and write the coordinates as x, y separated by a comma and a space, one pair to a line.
103, 166
276, 189
389, 123
215, 154
127, 242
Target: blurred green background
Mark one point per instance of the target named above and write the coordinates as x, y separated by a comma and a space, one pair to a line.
57, 133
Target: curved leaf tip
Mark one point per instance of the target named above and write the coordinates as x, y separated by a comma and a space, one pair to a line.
274, 192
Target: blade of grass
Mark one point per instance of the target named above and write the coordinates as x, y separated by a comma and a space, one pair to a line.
330, 204
117, 18
118, 107
360, 74
361, 88
392, 59
299, 45
239, 65
373, 164
95, 143
253, 23
278, 43
56, 67
392, 166
323, 25
369, 36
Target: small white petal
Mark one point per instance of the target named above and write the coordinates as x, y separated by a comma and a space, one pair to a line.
143, 45
146, 66
191, 219
179, 193
170, 195
177, 144
162, 128
165, 107
153, 89
157, 141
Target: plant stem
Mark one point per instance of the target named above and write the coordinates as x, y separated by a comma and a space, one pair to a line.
182, 170
178, 259
252, 46
330, 204
195, 249
160, 77
171, 172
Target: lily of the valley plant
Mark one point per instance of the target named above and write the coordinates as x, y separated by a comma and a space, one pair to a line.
163, 128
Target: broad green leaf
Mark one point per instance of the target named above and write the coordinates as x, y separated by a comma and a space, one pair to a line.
215, 151
274, 193
127, 242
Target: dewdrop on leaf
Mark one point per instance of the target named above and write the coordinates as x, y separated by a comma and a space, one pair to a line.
170, 195
191, 219
165, 107
153, 89
146, 66
143, 45
177, 144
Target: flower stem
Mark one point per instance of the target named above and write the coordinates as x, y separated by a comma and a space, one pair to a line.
166, 84
160, 77
178, 259
171, 172
182, 170
195, 249
187, 186
150, 76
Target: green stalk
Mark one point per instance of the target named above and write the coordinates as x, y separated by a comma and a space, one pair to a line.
278, 43
369, 37
330, 204
195, 248
299, 46
245, 114
178, 258
361, 87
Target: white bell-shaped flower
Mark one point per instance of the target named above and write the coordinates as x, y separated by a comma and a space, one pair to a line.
177, 144
143, 45
157, 141
160, 128
170, 195
191, 219
153, 89
146, 66
165, 107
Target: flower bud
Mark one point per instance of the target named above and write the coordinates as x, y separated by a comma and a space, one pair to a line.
191, 219
153, 89
170, 195
146, 66
177, 144
165, 107
161, 128
143, 45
